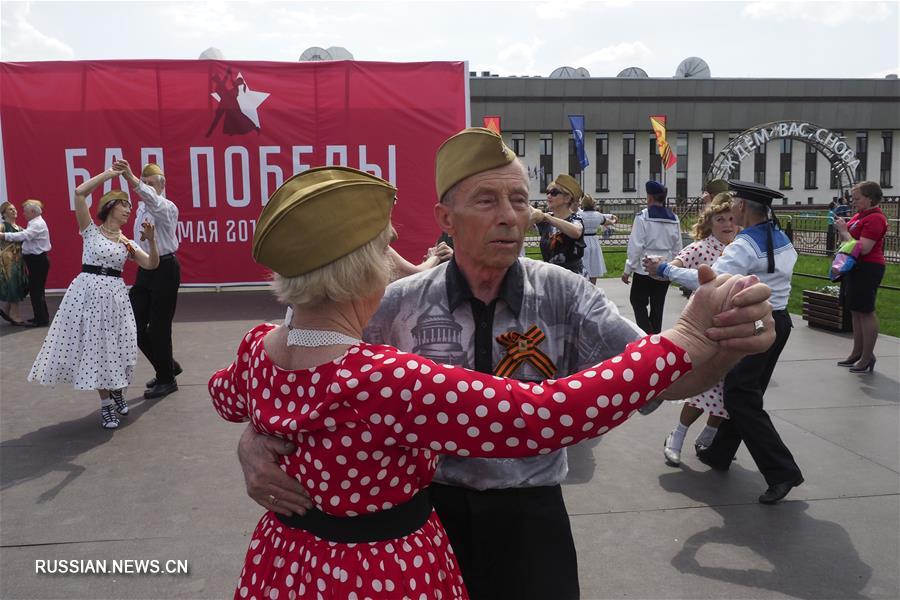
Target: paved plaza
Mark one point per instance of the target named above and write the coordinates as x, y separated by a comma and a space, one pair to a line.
167, 485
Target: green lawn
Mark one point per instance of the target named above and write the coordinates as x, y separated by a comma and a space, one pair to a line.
887, 305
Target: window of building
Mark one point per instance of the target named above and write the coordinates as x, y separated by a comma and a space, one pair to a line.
784, 178
862, 151
655, 160
812, 157
709, 153
681, 167
759, 165
518, 144
602, 162
628, 162
574, 163
736, 169
887, 148
546, 172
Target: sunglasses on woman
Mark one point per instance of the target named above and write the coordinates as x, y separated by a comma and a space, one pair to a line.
555, 192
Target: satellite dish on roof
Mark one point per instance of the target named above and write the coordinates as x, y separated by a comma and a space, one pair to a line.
315, 53
692, 68
339, 53
632, 73
567, 73
212, 54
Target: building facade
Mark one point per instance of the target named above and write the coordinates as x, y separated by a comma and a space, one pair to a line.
703, 116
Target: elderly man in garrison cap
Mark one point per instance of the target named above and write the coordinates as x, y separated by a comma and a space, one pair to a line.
491, 310
656, 232
760, 249
35, 240
154, 294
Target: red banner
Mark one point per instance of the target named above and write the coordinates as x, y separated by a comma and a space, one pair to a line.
226, 134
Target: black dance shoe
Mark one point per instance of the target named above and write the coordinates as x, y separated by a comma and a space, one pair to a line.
703, 456
161, 390
779, 490
176, 371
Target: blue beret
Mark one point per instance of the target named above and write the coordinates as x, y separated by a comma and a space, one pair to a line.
656, 188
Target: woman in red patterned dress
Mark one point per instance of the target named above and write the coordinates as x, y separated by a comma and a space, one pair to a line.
370, 420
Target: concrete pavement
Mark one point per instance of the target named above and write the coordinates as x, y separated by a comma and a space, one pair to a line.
167, 486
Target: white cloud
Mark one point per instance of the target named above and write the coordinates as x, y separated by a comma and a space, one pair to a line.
830, 14
556, 9
518, 58
23, 41
617, 53
202, 19
885, 73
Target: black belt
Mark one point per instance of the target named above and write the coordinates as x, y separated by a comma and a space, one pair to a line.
590, 235
389, 524
168, 256
782, 311
97, 270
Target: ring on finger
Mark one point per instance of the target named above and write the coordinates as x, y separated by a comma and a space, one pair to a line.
758, 327
273, 500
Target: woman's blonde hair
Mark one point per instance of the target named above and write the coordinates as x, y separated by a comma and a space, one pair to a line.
721, 203
588, 203
356, 275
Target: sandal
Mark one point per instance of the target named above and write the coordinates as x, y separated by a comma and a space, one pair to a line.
108, 418
119, 398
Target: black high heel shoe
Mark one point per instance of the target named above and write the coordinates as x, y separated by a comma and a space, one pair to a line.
869, 367
849, 362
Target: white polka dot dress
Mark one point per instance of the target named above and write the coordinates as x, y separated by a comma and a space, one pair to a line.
368, 428
705, 252
92, 342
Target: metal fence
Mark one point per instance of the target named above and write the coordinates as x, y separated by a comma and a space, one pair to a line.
806, 225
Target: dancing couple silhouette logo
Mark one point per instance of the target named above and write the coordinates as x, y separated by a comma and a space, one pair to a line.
238, 104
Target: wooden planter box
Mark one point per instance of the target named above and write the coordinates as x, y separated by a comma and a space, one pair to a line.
825, 311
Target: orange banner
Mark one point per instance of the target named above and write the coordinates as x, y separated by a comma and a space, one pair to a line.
658, 122
492, 123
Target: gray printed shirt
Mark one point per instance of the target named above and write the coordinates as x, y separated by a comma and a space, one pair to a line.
430, 314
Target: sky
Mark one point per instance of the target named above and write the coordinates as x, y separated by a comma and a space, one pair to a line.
737, 39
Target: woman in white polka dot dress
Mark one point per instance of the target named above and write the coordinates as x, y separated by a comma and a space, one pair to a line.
369, 420
92, 342
715, 228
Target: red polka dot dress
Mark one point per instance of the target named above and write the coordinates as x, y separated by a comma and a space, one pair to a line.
369, 427
705, 252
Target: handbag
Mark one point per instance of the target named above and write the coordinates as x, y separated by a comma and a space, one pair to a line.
844, 260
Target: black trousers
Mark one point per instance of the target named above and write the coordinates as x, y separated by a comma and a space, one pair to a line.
511, 543
153, 299
38, 268
745, 385
644, 290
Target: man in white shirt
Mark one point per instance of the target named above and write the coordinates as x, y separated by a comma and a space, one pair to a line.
154, 294
35, 240
656, 232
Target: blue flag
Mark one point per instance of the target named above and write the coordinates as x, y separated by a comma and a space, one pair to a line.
577, 122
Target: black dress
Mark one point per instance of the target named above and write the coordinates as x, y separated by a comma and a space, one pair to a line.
559, 249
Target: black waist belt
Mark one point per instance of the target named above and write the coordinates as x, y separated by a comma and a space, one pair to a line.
783, 311
590, 235
169, 256
390, 524
101, 270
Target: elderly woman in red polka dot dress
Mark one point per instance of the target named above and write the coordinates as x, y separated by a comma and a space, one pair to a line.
370, 421
715, 228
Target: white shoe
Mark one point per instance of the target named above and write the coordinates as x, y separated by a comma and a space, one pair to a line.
672, 454
108, 418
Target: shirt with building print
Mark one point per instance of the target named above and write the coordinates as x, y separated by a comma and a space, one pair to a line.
434, 314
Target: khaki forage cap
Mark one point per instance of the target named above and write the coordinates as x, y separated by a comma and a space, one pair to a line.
469, 152
112, 196
319, 216
716, 186
569, 184
151, 169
